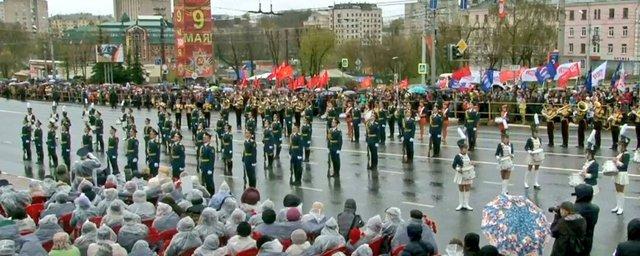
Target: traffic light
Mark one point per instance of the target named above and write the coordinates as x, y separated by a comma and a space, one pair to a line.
453, 52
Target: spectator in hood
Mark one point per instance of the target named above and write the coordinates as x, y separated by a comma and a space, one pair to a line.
362, 250
62, 246
197, 204
114, 216
229, 205
471, 244
401, 237
219, 197
89, 233
416, 246
210, 247
109, 196
268, 246
256, 219
60, 207
169, 190
209, 224
289, 201
141, 207
23, 221
313, 221
392, 219
141, 248
299, 243
47, 227
348, 219
371, 231
165, 218
36, 189
185, 239
236, 218
632, 246
589, 211
269, 227
242, 241
569, 230
106, 242
84, 210
132, 231
7, 248
329, 238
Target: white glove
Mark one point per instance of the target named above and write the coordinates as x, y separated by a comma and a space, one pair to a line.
90, 156
475, 129
155, 165
376, 145
209, 172
497, 157
135, 160
181, 168
280, 139
410, 139
253, 164
299, 158
27, 141
338, 152
230, 152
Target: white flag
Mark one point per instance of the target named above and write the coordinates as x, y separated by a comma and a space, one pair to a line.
598, 74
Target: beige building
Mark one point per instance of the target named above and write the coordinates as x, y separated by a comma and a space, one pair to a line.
31, 14
135, 8
2, 11
350, 21
61, 23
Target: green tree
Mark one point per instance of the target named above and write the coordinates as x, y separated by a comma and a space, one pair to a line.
16, 46
135, 71
315, 47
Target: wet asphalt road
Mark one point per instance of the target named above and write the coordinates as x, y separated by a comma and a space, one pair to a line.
426, 185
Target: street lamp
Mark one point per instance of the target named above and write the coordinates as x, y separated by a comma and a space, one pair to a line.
396, 74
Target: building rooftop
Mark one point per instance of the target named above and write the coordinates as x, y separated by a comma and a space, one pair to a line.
362, 6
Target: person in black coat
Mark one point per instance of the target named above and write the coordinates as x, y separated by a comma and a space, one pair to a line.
471, 244
349, 219
417, 247
632, 245
569, 230
589, 211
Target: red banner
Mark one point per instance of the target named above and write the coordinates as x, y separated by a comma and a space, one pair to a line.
193, 38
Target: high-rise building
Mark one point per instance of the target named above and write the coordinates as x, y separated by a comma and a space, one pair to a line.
61, 23
31, 14
2, 11
350, 21
135, 8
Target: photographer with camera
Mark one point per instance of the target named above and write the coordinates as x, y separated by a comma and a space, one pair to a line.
569, 230
588, 210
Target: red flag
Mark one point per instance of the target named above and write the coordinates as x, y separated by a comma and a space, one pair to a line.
404, 84
461, 72
507, 75
502, 9
313, 82
324, 79
573, 71
244, 83
443, 83
366, 83
274, 70
256, 83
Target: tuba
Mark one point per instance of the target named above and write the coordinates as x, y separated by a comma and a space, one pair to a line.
580, 112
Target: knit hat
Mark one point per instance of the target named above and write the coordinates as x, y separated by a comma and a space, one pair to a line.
243, 229
298, 236
291, 200
250, 196
416, 214
293, 214
269, 216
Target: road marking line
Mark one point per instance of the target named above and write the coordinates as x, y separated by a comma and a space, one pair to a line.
418, 204
11, 112
495, 183
632, 197
391, 172
229, 176
312, 189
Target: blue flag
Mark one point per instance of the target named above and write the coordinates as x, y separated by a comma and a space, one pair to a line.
433, 5
616, 74
589, 82
551, 69
464, 4
541, 74
487, 80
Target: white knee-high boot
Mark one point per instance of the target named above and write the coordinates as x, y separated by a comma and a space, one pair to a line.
620, 200
505, 184
535, 178
467, 195
526, 179
460, 200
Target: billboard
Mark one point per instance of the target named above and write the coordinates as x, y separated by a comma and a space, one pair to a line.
193, 28
109, 53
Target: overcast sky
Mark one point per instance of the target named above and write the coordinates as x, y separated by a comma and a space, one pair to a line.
390, 8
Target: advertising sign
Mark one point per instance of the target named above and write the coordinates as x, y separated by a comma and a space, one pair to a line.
112, 53
193, 28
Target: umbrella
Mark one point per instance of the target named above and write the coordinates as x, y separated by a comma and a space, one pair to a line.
283, 89
213, 88
335, 89
228, 89
515, 225
418, 89
347, 93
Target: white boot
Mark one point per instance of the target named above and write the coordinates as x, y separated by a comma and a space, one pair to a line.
467, 194
460, 200
526, 179
536, 185
621, 203
615, 210
505, 184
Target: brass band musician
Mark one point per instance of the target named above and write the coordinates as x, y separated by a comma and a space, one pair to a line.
549, 113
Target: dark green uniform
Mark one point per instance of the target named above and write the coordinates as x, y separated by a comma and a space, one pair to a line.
177, 159
112, 154
391, 119
207, 160
308, 113
219, 132
288, 119
132, 156
435, 129
198, 142
400, 120
86, 142
307, 131
162, 117
372, 144
51, 148
26, 142
37, 140
382, 121
268, 143
408, 136
295, 151
99, 131
335, 145
153, 156
249, 161
65, 146
146, 131
356, 120
166, 134
250, 124
277, 136
471, 123
332, 113
227, 152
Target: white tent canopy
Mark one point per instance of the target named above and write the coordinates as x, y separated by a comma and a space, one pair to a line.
261, 76
336, 73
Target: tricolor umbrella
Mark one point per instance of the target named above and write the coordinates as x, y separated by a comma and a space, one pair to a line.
515, 225
335, 89
418, 89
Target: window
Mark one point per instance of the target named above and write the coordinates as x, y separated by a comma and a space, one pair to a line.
596, 48
583, 14
477, 18
610, 31
571, 15
570, 47
623, 50
612, 13
625, 13
610, 48
571, 32
583, 32
583, 48
596, 31
486, 18
625, 31
596, 14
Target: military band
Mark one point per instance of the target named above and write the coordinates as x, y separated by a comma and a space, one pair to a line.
334, 143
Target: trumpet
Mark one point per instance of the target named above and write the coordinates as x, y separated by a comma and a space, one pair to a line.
226, 104
635, 113
549, 112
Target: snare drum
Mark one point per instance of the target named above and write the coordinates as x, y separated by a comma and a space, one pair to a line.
609, 168
498, 120
505, 163
575, 180
636, 156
